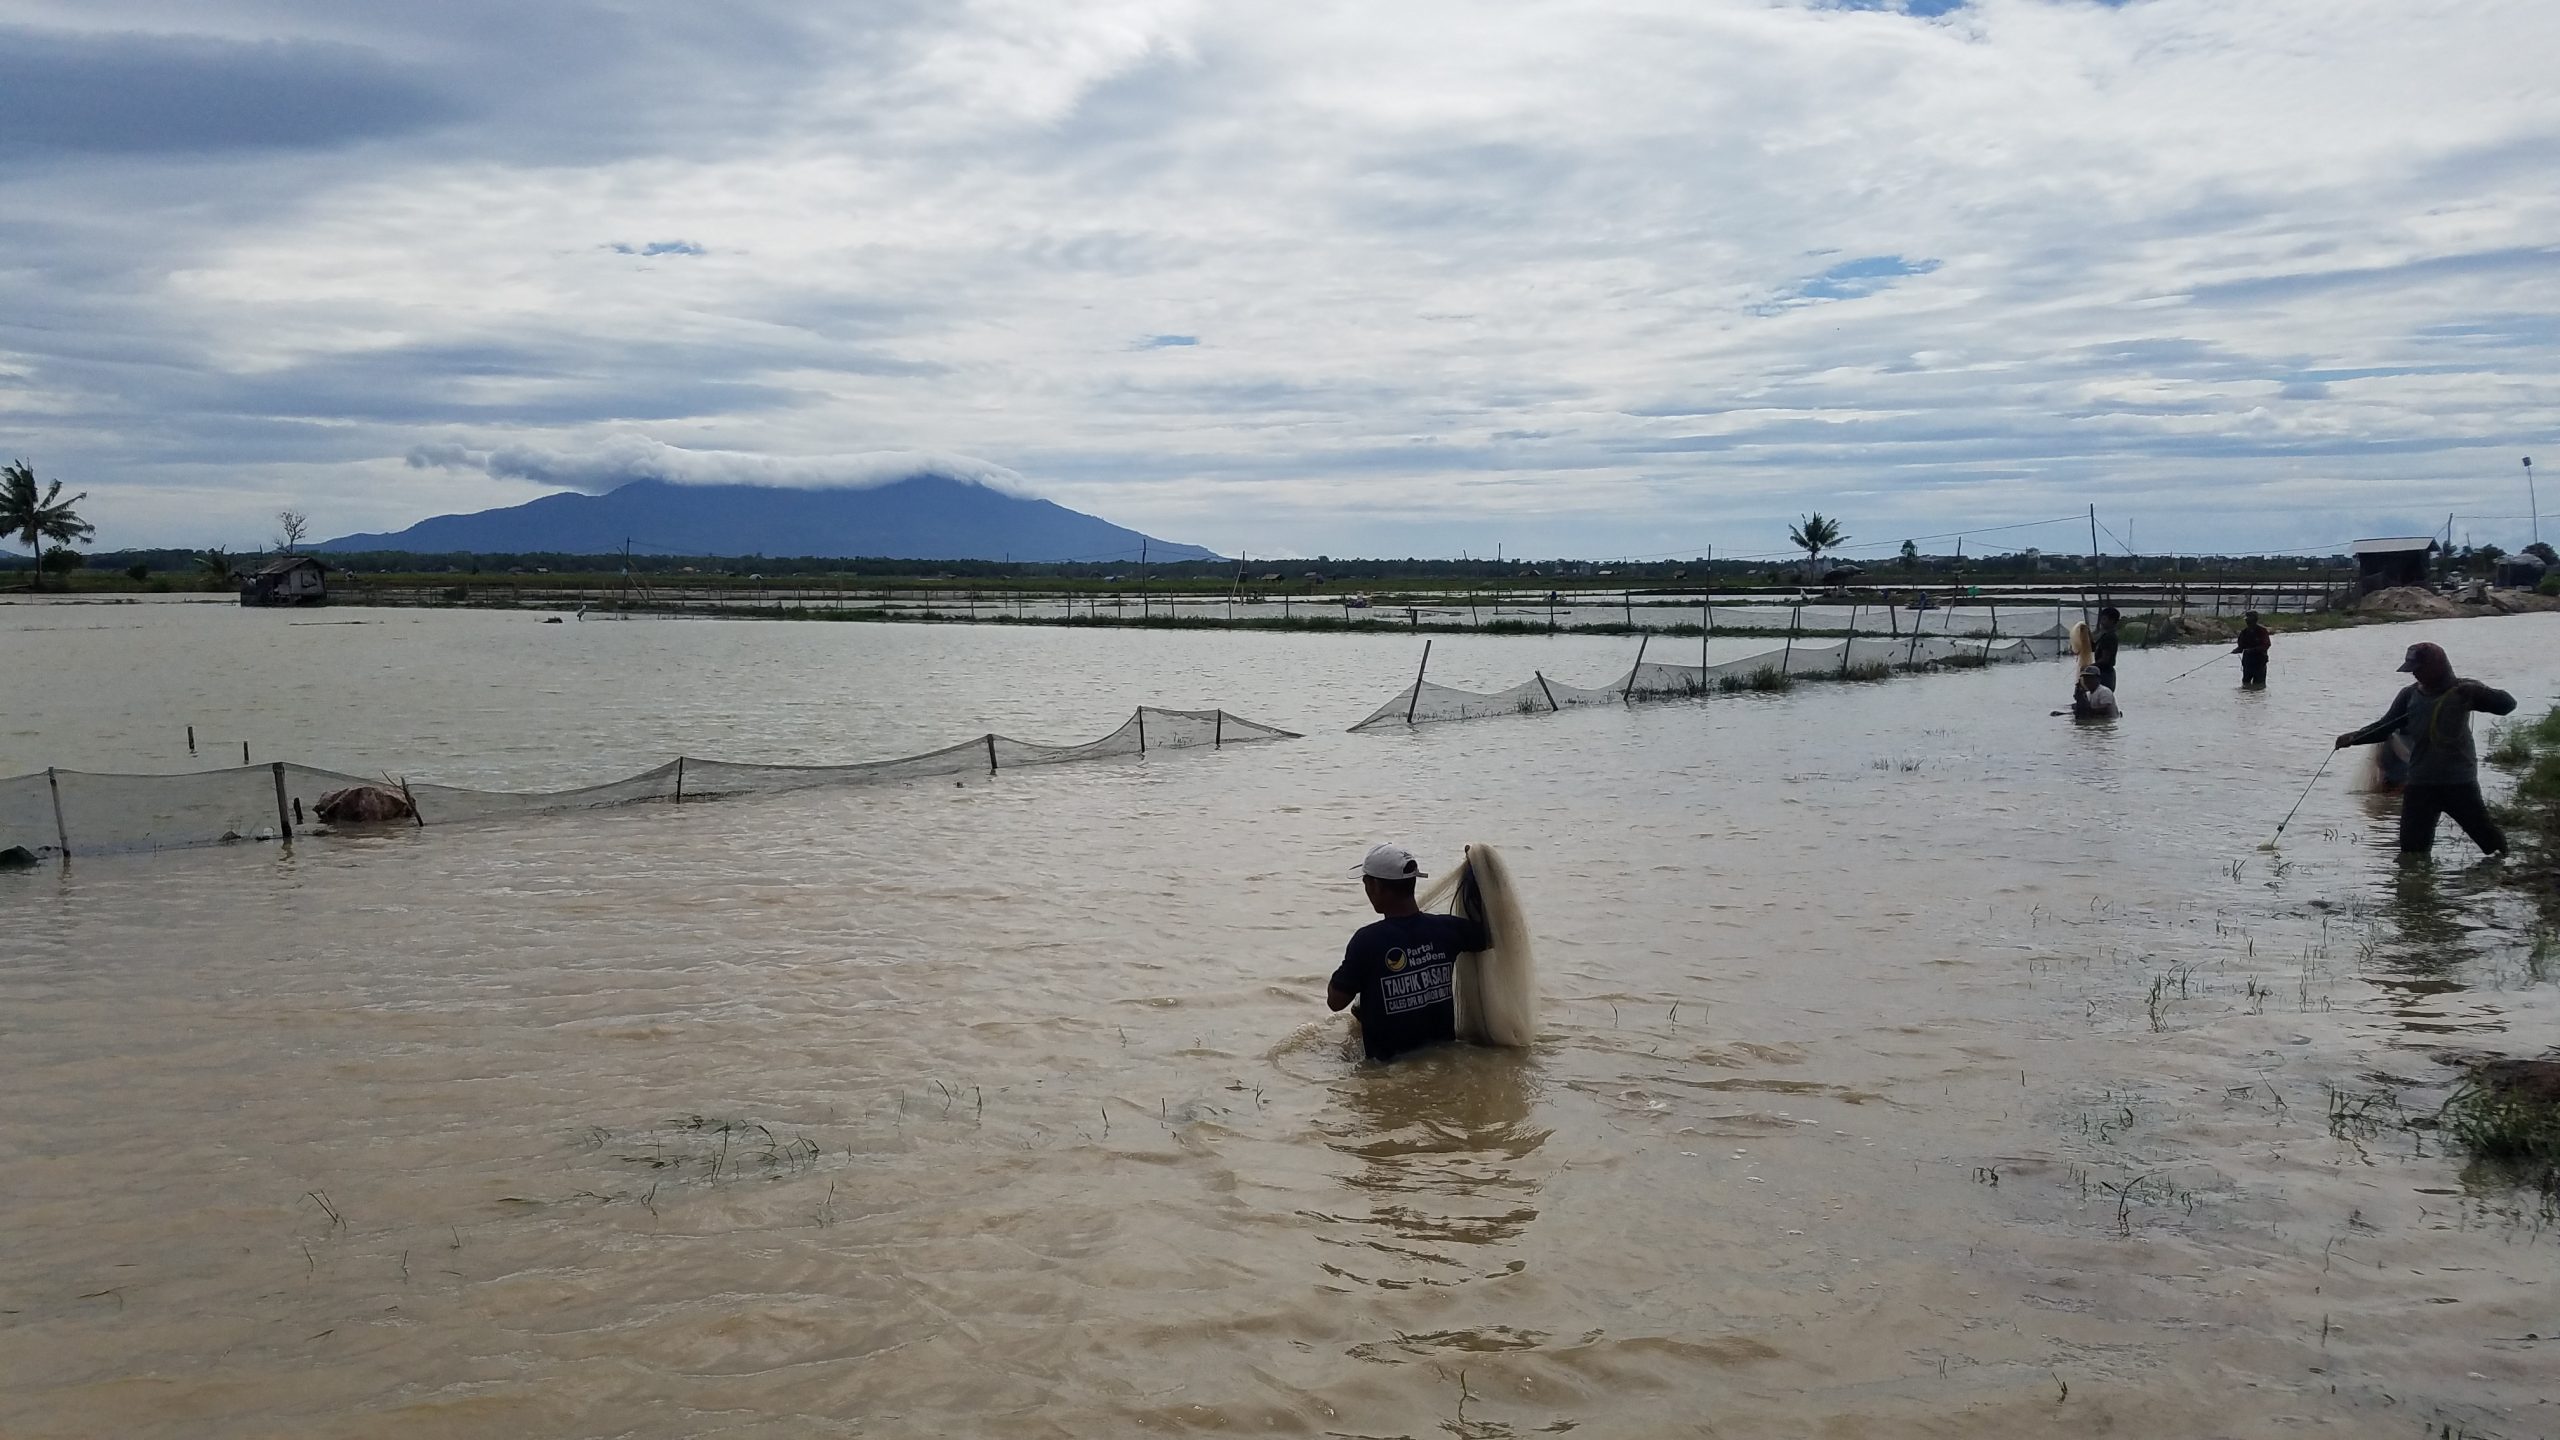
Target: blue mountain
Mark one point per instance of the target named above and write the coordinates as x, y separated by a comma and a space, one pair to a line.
924, 517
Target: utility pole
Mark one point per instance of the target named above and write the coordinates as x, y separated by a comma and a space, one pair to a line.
2531, 501
2093, 563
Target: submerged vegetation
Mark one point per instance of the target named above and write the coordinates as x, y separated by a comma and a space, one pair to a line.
1767, 679
2507, 1116
2532, 812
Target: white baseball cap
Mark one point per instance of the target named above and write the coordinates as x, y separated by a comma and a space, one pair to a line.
1390, 862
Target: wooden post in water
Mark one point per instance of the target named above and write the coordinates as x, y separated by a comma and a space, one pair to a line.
191, 739
284, 816
244, 752
679, 779
1218, 737
1542, 685
1789, 658
991, 752
1417, 683
1629, 693
1142, 729
61, 832
1706, 633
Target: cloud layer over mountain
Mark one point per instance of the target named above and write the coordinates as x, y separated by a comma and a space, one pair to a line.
1621, 277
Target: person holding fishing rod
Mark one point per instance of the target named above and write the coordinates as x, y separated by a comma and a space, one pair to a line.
2434, 716
2252, 646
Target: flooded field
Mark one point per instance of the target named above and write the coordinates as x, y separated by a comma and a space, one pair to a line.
1914, 1062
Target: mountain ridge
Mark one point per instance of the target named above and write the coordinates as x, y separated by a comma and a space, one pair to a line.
922, 517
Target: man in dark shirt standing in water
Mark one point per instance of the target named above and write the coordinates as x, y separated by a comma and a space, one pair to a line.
2103, 645
2252, 646
1403, 968
2434, 716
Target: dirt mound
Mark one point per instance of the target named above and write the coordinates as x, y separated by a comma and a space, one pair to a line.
2195, 628
2411, 602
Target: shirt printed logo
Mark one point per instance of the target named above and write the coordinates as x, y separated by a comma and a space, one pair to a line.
1424, 988
1395, 960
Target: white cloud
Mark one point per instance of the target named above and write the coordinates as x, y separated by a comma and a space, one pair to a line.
1605, 278
620, 459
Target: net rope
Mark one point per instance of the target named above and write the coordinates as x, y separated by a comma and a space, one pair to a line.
79, 812
1425, 702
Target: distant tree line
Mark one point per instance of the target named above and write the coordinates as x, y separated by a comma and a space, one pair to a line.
1909, 568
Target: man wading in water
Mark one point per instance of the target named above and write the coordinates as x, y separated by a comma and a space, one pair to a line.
2252, 647
1402, 968
2434, 716
2103, 645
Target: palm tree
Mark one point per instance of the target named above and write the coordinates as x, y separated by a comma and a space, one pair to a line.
213, 568
31, 519
1814, 534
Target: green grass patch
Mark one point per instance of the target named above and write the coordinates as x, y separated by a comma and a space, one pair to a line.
1767, 679
2508, 1115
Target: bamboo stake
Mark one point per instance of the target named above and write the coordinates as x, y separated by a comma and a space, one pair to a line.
61, 832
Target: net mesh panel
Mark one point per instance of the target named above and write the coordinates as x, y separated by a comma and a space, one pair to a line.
105, 813
1656, 680
26, 813
1440, 702
147, 812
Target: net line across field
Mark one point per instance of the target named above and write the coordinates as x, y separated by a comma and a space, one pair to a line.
63, 812
1424, 702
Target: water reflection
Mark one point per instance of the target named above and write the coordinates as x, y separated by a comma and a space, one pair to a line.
2432, 934
1441, 1144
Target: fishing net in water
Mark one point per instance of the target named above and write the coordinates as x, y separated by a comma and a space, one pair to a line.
70, 811
1496, 988
1424, 702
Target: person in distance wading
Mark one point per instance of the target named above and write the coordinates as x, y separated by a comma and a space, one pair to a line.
2090, 697
2104, 644
2433, 715
2252, 646
1402, 968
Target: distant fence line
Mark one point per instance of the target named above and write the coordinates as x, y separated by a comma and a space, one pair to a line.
1880, 610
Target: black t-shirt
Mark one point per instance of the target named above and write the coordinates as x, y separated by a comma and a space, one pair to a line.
1403, 968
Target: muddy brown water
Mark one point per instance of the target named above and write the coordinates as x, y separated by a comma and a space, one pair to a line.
1913, 1062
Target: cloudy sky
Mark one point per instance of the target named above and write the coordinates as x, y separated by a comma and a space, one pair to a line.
1610, 278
